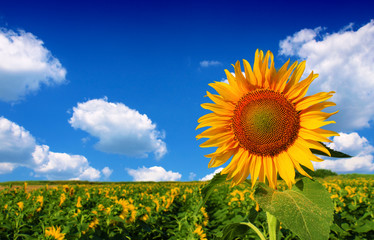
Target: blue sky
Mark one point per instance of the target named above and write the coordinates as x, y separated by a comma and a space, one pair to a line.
111, 91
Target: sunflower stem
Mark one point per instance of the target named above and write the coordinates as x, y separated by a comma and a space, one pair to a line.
273, 225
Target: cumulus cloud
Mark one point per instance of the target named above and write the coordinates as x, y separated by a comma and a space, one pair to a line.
345, 63
155, 173
90, 174
354, 145
17, 144
351, 144
211, 175
107, 172
362, 164
210, 63
62, 165
25, 65
119, 129
7, 167
19, 148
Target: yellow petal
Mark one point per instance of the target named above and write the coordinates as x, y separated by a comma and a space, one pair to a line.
286, 168
214, 123
299, 154
316, 145
220, 101
249, 73
233, 164
225, 91
212, 132
299, 90
311, 100
218, 141
217, 109
319, 106
243, 174
256, 165
298, 167
313, 123
283, 80
233, 83
312, 135
243, 84
219, 160
296, 75
317, 115
325, 133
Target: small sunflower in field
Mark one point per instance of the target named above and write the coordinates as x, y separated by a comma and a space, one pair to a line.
264, 121
20, 205
55, 233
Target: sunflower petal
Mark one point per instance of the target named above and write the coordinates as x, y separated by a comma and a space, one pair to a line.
218, 141
312, 135
217, 109
311, 100
295, 77
256, 165
225, 91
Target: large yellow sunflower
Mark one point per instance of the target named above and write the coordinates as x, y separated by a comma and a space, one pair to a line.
264, 120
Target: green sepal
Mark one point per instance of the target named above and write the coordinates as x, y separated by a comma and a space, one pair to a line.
334, 154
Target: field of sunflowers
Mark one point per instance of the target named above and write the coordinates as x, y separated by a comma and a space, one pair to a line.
168, 210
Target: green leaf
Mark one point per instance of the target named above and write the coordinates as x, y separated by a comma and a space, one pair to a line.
235, 230
366, 227
306, 209
333, 153
208, 189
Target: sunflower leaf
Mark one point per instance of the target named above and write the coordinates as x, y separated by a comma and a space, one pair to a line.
235, 230
306, 209
208, 189
335, 154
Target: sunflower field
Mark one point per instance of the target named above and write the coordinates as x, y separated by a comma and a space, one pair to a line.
170, 210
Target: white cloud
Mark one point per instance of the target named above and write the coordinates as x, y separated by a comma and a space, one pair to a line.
120, 129
351, 144
211, 175
18, 148
25, 64
62, 165
155, 173
7, 167
17, 144
90, 174
291, 44
354, 145
107, 172
345, 63
362, 164
210, 63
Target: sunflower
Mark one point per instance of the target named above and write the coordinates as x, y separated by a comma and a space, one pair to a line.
264, 121
55, 233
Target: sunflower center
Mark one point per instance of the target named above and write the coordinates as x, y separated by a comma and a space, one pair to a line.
265, 122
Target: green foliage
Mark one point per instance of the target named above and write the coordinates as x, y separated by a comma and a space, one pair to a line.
306, 209
319, 173
322, 173
177, 216
208, 189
